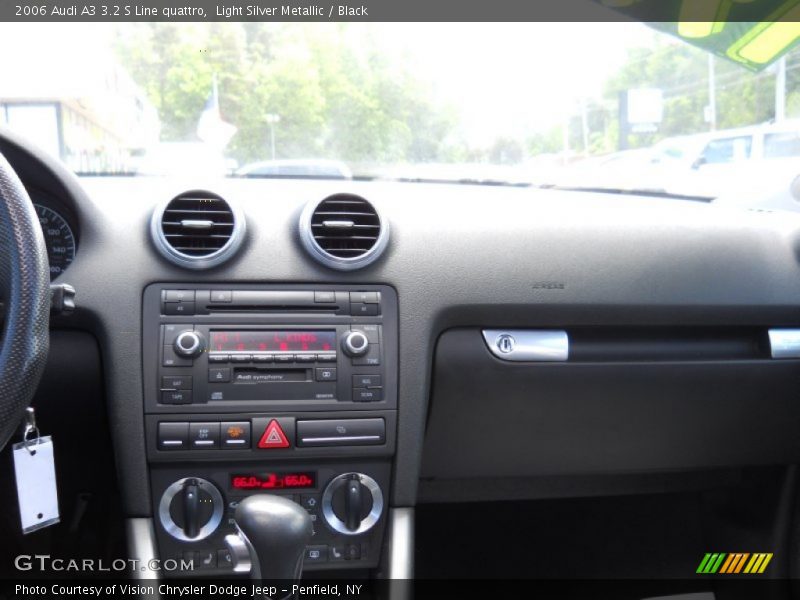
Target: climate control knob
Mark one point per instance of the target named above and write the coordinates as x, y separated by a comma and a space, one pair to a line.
355, 343
189, 344
352, 503
191, 509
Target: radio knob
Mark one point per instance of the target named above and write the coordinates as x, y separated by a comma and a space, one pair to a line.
189, 344
355, 343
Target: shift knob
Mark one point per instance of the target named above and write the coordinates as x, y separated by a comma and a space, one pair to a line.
277, 531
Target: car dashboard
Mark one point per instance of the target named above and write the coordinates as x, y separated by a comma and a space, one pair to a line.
467, 344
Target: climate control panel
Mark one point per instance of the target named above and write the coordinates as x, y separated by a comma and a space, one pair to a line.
346, 503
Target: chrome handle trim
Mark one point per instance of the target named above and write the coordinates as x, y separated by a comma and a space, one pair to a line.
142, 546
528, 345
339, 224
240, 552
345, 438
784, 343
196, 224
401, 543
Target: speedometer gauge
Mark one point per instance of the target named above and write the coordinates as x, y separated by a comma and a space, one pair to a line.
58, 238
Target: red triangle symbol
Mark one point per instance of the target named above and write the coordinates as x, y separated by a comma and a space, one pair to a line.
273, 436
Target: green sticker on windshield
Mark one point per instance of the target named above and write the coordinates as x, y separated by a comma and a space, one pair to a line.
752, 33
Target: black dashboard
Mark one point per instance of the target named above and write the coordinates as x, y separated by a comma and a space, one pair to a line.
207, 340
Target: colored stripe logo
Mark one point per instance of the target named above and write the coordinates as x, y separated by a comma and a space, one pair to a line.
734, 563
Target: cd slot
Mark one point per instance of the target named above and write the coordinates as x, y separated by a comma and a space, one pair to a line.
227, 308
252, 375
272, 301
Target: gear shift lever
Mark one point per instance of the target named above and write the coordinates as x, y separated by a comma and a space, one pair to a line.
275, 531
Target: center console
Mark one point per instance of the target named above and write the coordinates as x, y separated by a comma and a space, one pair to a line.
287, 390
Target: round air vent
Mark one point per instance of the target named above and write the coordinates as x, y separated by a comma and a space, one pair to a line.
343, 232
197, 230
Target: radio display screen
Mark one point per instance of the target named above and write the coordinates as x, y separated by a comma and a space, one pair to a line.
274, 481
273, 341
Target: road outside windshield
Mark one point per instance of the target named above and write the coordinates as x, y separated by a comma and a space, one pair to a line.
612, 106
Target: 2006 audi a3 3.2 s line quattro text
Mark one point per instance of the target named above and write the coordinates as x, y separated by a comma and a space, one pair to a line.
381, 309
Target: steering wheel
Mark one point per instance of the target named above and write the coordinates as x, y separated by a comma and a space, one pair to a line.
25, 288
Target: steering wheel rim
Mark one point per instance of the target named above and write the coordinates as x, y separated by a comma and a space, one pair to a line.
25, 284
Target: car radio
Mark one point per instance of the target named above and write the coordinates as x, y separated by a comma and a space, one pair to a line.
247, 348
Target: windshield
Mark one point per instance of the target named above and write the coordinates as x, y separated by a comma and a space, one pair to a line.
600, 105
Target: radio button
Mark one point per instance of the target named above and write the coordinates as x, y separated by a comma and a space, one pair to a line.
371, 358
325, 374
325, 296
189, 344
224, 559
236, 435
172, 331
367, 394
341, 432
274, 434
284, 358
179, 308
345, 552
219, 375
326, 358
221, 296
176, 397
204, 435
173, 436
355, 343
371, 331
179, 296
317, 553
240, 358
360, 309
309, 501
263, 358
176, 382
364, 297
218, 358
305, 358
173, 360
366, 381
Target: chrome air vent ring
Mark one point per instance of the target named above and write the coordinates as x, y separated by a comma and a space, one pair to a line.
197, 229
343, 232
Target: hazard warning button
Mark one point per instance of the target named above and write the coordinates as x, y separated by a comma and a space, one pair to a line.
273, 436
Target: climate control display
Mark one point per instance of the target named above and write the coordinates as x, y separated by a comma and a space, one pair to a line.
274, 481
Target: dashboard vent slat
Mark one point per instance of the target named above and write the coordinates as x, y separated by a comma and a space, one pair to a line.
343, 231
197, 230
